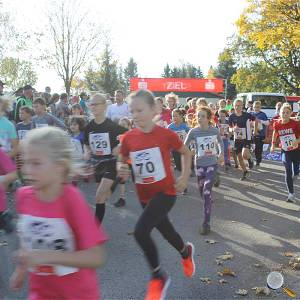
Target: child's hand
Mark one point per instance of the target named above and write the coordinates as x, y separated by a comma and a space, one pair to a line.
181, 184
17, 279
31, 258
221, 159
123, 171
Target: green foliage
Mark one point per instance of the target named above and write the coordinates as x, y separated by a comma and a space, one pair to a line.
130, 71
185, 70
17, 73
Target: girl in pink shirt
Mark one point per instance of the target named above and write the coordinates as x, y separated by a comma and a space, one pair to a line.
7, 175
61, 243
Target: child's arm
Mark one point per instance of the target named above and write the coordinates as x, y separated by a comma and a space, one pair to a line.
17, 279
93, 257
186, 162
274, 138
6, 179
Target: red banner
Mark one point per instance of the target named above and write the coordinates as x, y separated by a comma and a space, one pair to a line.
177, 85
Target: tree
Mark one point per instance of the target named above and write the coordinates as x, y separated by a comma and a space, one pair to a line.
226, 69
129, 72
185, 70
74, 38
17, 73
167, 71
257, 77
269, 31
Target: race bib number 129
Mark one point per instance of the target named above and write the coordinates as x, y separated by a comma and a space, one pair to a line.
148, 165
100, 143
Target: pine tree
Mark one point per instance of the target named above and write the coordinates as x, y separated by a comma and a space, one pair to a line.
129, 72
167, 72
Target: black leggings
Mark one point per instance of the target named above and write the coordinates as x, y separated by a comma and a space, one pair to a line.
155, 214
259, 144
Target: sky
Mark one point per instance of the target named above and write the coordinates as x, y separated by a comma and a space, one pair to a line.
152, 32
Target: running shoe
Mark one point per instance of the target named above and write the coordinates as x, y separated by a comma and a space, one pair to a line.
245, 175
291, 198
185, 192
157, 288
250, 163
205, 230
188, 263
120, 203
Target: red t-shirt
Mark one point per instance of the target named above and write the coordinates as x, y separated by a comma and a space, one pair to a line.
287, 133
191, 110
150, 156
64, 224
166, 115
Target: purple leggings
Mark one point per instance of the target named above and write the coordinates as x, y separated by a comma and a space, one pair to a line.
206, 176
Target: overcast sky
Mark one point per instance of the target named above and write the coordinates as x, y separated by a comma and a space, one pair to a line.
152, 32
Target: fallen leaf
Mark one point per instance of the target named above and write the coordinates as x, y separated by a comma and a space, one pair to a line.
262, 291
228, 272
241, 292
257, 265
219, 262
264, 220
3, 243
223, 281
130, 232
288, 254
289, 292
233, 221
206, 280
210, 241
225, 256
295, 263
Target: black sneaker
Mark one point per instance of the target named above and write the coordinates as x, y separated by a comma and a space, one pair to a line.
185, 192
217, 180
120, 203
205, 229
245, 175
250, 163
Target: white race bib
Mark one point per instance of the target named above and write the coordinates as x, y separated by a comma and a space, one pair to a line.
181, 134
148, 165
239, 133
225, 129
47, 234
206, 145
287, 142
100, 143
22, 134
77, 148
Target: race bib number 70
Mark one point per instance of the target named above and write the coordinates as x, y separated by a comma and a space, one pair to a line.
148, 165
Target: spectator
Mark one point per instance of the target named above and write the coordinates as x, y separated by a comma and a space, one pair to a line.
164, 115
193, 106
47, 95
53, 103
25, 100
229, 105
8, 134
83, 98
62, 108
42, 118
119, 109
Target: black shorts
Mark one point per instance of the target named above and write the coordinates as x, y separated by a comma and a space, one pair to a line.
239, 145
106, 170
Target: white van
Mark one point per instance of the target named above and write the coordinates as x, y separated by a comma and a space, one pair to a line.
268, 101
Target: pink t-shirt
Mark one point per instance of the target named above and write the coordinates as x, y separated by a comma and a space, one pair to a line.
6, 166
65, 224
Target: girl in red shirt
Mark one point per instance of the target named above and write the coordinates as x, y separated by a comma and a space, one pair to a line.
288, 131
149, 146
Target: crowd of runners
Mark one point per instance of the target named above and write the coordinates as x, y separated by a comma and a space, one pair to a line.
50, 142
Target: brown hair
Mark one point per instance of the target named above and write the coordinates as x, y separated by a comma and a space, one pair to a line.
223, 111
144, 95
40, 101
27, 109
209, 113
79, 121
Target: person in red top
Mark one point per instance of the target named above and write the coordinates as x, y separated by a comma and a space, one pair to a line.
149, 146
193, 106
288, 131
163, 115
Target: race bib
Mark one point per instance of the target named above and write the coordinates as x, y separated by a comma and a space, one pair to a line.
207, 145
37, 125
181, 134
287, 142
148, 165
47, 234
100, 143
22, 134
77, 148
240, 134
225, 129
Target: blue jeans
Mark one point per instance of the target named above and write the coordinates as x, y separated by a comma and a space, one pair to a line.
291, 162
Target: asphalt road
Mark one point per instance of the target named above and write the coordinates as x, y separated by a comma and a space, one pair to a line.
251, 220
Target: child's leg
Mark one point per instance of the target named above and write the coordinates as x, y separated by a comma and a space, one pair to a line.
200, 172
226, 151
207, 191
287, 162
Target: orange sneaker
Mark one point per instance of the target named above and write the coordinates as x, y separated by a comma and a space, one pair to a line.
188, 264
157, 288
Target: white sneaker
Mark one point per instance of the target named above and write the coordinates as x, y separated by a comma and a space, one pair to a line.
291, 198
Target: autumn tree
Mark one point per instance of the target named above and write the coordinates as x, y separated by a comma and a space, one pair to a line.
74, 38
269, 32
17, 73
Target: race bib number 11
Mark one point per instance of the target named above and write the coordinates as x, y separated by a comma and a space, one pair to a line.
287, 142
148, 165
